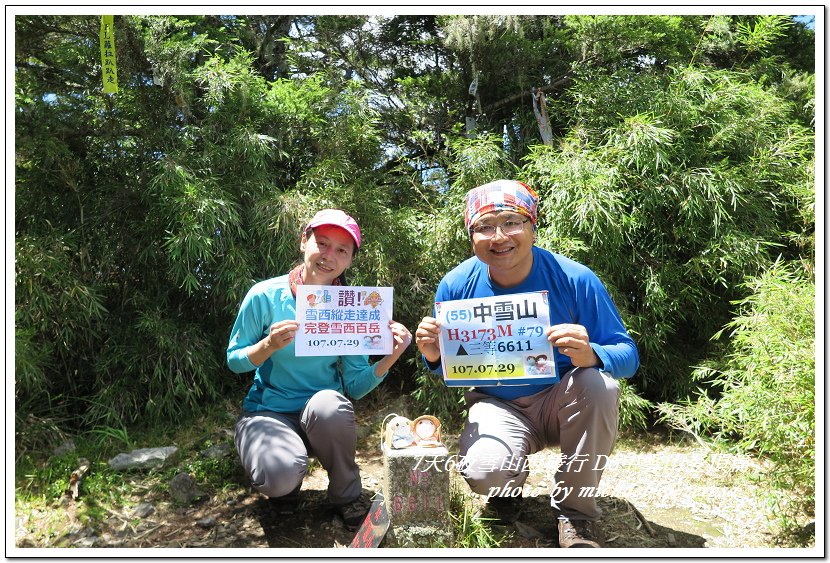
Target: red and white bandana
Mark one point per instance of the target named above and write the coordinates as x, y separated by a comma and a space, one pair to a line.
501, 195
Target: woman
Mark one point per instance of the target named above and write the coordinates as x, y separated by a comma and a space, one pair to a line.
297, 406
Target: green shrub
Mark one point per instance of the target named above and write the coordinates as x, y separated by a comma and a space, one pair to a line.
761, 400
634, 409
469, 527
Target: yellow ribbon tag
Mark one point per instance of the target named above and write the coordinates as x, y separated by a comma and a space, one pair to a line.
109, 74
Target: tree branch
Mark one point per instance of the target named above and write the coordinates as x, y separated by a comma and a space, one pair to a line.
555, 85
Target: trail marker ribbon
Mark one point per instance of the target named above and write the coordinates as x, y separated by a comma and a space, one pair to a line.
109, 73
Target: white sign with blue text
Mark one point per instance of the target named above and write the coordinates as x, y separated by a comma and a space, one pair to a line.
496, 340
343, 320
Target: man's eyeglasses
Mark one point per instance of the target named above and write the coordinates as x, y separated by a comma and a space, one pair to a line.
509, 227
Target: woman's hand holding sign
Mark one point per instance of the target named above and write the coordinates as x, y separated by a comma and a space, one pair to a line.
426, 338
401, 338
281, 334
572, 341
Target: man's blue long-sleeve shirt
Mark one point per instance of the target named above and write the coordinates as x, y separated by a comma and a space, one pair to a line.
576, 296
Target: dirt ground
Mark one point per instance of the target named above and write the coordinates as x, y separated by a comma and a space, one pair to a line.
654, 495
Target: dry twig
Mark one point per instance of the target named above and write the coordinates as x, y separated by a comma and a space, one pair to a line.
148, 532
648, 526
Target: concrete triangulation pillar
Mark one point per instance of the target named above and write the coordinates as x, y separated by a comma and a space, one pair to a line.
416, 488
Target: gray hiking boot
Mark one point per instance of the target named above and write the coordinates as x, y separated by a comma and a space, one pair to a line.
580, 533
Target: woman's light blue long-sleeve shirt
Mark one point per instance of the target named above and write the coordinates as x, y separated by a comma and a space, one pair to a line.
285, 382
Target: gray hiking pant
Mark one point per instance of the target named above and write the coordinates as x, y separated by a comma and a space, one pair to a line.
580, 414
275, 447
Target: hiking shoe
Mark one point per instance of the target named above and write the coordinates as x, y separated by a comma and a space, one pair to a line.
504, 510
579, 533
353, 513
285, 505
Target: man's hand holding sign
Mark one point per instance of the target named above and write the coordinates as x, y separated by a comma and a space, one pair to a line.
572, 341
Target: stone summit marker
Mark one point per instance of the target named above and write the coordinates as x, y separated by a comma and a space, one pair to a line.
416, 489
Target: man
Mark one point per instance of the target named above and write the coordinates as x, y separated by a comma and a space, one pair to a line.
592, 348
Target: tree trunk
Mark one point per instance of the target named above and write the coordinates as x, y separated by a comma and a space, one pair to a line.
540, 110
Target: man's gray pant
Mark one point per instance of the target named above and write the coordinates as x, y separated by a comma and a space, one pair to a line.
580, 414
275, 447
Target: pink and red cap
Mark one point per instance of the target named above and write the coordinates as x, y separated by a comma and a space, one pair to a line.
336, 218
